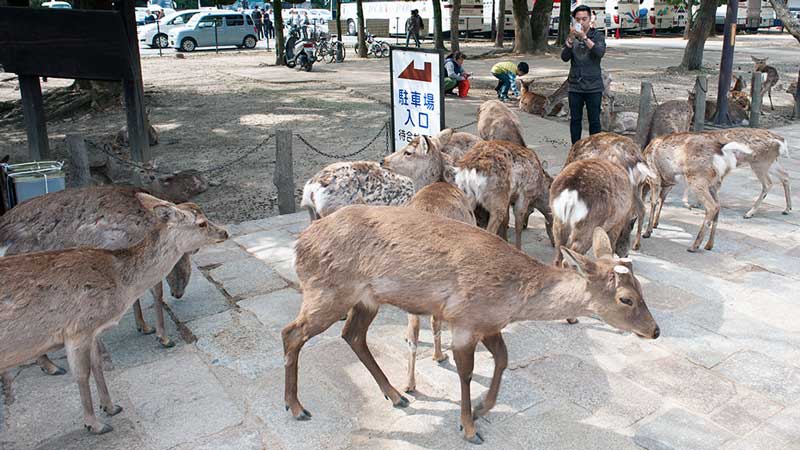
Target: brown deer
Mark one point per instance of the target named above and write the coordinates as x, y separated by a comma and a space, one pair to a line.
737, 94
421, 161
672, 116
769, 75
445, 200
556, 102
68, 297
624, 152
455, 143
109, 217
363, 257
617, 121
499, 174
529, 101
765, 149
496, 122
700, 159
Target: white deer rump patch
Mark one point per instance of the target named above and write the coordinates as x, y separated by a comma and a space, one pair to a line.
783, 148
313, 196
569, 208
471, 182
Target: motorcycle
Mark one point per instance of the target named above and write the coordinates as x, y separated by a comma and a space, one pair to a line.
299, 52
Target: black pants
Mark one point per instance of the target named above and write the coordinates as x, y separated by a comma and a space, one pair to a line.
576, 102
260, 30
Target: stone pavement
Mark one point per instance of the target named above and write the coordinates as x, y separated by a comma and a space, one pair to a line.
724, 374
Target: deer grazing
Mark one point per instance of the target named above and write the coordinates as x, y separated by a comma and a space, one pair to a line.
499, 174
445, 200
108, 217
700, 159
477, 285
624, 152
765, 148
68, 297
496, 122
769, 74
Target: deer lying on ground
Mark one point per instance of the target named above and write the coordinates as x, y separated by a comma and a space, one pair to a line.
499, 174
737, 94
108, 217
769, 74
556, 102
703, 162
617, 121
445, 200
496, 122
765, 148
529, 101
624, 152
363, 257
357, 182
68, 297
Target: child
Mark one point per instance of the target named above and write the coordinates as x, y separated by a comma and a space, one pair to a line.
507, 73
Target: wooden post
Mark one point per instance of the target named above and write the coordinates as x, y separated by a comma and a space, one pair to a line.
726, 65
796, 115
79, 158
755, 102
33, 114
645, 113
700, 89
284, 171
133, 89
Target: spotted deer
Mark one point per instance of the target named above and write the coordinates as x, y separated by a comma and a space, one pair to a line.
445, 200
499, 174
109, 217
68, 297
672, 116
737, 94
617, 121
360, 258
703, 162
496, 122
769, 74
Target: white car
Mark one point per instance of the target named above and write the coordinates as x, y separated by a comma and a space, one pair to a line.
56, 5
158, 35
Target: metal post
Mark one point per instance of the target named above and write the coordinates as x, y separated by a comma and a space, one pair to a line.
466, 32
81, 175
645, 111
284, 171
397, 31
216, 36
726, 64
700, 89
158, 34
755, 102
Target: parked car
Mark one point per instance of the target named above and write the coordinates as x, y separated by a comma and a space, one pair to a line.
158, 35
231, 29
56, 5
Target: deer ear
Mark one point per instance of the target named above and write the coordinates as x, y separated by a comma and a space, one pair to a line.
601, 243
164, 210
580, 263
424, 145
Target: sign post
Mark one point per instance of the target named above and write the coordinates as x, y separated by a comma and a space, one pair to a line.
417, 85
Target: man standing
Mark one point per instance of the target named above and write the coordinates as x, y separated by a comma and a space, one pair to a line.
413, 26
584, 49
257, 18
306, 22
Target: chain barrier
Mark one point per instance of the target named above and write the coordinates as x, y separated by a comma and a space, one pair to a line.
349, 155
466, 125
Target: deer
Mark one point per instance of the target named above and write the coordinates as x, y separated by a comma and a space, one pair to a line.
478, 285
700, 159
445, 200
109, 217
455, 143
499, 174
356, 182
497, 122
737, 94
529, 101
672, 116
555, 101
423, 161
765, 148
68, 297
769, 74
624, 152
617, 121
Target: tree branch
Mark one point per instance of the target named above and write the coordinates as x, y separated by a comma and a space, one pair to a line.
791, 24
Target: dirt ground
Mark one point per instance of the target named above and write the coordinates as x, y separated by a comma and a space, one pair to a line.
212, 109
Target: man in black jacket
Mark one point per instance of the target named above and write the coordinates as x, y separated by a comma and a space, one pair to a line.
584, 49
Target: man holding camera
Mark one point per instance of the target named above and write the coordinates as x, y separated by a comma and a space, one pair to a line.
584, 49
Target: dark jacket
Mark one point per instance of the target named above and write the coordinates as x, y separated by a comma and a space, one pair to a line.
585, 75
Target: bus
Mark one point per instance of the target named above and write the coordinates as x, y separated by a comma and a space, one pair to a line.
598, 7
395, 13
490, 10
623, 15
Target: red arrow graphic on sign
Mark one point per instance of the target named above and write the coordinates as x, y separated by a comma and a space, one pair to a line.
410, 73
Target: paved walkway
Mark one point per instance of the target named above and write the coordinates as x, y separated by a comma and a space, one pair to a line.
724, 374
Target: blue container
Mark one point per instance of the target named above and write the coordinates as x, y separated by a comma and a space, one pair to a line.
28, 180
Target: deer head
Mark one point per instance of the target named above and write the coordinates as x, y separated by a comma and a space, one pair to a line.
186, 222
760, 63
420, 160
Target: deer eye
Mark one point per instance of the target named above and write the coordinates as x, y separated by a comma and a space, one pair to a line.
202, 224
626, 301
408, 153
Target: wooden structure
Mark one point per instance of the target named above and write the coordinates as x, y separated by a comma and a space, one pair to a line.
79, 44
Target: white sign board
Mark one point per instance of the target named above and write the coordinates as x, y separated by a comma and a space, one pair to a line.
417, 94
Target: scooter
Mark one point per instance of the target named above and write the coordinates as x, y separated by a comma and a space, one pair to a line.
299, 52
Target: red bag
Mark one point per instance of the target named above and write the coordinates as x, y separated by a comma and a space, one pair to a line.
463, 88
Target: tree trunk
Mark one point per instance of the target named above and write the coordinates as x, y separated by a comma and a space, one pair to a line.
277, 11
689, 19
693, 54
438, 40
454, 25
790, 24
339, 19
362, 41
564, 23
539, 23
500, 24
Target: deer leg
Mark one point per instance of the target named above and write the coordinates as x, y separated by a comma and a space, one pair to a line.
412, 339
712, 209
48, 366
769, 93
661, 199
108, 365
79, 358
436, 325
639, 210
464, 355
161, 333
762, 174
496, 221
715, 196
655, 193
560, 237
141, 325
778, 170
580, 241
100, 380
497, 347
355, 333
520, 217
6, 379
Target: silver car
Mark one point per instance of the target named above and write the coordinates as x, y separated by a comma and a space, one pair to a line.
210, 28
158, 35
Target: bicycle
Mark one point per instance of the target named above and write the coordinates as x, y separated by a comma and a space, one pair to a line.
332, 50
376, 47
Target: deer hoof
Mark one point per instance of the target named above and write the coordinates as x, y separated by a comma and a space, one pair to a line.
410, 389
304, 415
55, 370
113, 410
146, 329
709, 246
646, 235
692, 249
441, 359
476, 439
749, 215
572, 321
99, 428
166, 342
785, 213
402, 403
